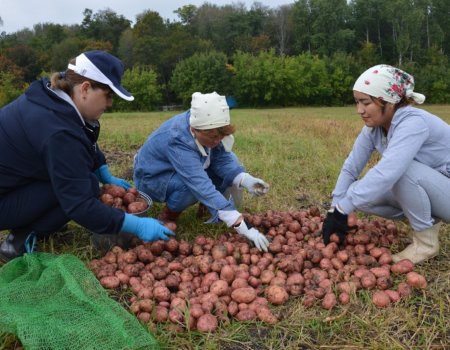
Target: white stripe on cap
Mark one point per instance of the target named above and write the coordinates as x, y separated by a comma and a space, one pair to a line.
84, 67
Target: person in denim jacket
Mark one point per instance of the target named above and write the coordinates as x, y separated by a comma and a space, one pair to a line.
188, 159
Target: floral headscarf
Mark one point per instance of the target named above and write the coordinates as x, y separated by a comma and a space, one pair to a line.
387, 83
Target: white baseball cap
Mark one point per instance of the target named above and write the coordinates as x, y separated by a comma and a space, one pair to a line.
103, 67
209, 111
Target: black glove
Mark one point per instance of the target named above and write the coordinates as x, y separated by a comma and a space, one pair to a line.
335, 222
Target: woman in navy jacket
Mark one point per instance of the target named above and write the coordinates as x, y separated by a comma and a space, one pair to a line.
50, 163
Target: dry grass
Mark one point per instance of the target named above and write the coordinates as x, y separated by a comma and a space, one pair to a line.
299, 151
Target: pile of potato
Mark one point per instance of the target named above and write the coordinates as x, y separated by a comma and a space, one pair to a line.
197, 285
129, 200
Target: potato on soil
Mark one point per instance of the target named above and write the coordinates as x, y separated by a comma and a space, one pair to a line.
110, 282
329, 301
403, 266
381, 299
276, 295
244, 295
207, 323
264, 314
416, 280
246, 315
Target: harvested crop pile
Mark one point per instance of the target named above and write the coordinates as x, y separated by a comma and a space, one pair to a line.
201, 284
129, 200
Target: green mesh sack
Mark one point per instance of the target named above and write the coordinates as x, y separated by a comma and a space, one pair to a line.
55, 302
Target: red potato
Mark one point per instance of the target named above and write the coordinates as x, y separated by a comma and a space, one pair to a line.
380, 272
107, 199
144, 316
264, 314
196, 310
233, 308
276, 295
244, 295
344, 298
207, 323
227, 274
115, 191
329, 301
403, 266
134, 191
385, 259
239, 283
381, 299
393, 295
416, 280
110, 282
145, 305
137, 207
219, 252
246, 315
161, 293
176, 316
219, 288
129, 198
368, 280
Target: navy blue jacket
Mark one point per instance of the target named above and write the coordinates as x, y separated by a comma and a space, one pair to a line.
42, 138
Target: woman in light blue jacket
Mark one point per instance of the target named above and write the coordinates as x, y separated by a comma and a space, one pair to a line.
188, 159
412, 178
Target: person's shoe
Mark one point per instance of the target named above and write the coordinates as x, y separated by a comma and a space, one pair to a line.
16, 244
425, 245
168, 215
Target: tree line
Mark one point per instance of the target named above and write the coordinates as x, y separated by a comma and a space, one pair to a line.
306, 53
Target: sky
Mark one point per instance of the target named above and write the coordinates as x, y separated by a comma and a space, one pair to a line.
20, 14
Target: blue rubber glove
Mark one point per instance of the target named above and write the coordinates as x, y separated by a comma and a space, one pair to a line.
104, 176
147, 229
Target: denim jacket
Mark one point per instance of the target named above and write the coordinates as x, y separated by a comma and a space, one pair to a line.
172, 149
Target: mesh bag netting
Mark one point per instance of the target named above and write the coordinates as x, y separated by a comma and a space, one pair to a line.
55, 302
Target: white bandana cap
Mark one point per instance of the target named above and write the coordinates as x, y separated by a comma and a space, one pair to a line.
209, 111
103, 67
388, 83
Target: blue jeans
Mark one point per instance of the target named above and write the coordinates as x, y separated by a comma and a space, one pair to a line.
33, 207
180, 197
420, 195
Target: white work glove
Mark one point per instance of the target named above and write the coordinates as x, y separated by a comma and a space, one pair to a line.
254, 185
253, 235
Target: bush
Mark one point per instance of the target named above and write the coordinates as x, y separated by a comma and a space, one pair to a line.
142, 83
204, 72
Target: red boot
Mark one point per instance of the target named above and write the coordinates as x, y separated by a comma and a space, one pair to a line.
168, 215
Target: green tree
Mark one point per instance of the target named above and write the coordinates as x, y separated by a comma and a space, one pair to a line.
203, 72
8, 88
142, 83
433, 79
105, 25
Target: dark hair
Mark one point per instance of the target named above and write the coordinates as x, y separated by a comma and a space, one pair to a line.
66, 81
405, 101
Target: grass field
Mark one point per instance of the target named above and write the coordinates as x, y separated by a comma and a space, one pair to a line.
299, 152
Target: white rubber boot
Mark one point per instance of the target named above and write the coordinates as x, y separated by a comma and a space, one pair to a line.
425, 245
